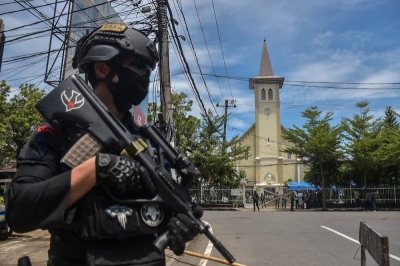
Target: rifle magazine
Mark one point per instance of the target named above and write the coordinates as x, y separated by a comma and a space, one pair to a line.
85, 148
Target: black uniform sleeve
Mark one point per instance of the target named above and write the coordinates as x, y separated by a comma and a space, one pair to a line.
38, 194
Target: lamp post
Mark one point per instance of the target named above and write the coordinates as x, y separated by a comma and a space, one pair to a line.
201, 190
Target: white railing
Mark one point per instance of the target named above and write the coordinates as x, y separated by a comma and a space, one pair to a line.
339, 195
346, 195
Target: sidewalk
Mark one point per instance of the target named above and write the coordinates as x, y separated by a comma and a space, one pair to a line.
249, 207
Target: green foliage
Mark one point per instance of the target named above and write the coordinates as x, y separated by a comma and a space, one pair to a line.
185, 125
318, 143
371, 147
202, 143
387, 155
285, 183
18, 119
361, 134
214, 160
389, 120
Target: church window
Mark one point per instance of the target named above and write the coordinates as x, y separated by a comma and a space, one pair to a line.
263, 95
270, 95
289, 156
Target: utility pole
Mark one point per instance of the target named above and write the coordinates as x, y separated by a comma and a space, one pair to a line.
165, 82
2, 41
228, 103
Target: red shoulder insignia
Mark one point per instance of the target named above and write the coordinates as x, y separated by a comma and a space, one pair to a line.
49, 129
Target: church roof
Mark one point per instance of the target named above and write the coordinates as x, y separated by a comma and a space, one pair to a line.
266, 74
265, 65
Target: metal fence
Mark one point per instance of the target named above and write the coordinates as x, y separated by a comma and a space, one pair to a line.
346, 195
337, 195
231, 196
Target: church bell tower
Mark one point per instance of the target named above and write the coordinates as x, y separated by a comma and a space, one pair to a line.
267, 155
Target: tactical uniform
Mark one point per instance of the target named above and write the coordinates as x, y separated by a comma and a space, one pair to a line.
42, 181
97, 230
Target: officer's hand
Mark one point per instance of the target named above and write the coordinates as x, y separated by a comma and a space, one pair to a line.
182, 229
122, 175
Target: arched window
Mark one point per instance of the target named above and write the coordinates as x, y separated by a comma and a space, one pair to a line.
270, 95
263, 95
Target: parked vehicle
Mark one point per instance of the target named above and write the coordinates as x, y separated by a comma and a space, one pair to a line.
5, 231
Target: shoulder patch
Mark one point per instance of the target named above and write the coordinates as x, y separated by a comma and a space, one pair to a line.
48, 129
44, 139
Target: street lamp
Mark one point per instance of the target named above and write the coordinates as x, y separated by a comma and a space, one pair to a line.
201, 190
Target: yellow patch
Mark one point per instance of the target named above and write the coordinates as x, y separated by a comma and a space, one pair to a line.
114, 27
2, 218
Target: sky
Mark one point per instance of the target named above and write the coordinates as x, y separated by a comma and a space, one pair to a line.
332, 54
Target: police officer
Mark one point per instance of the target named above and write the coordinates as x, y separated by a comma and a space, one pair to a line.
255, 201
87, 227
292, 200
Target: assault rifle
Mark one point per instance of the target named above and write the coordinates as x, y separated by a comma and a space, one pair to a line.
74, 102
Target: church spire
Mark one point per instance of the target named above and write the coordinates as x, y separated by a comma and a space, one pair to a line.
265, 65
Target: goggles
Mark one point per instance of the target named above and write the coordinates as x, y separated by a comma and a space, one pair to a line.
137, 66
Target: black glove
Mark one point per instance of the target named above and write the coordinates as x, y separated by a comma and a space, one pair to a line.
122, 176
182, 229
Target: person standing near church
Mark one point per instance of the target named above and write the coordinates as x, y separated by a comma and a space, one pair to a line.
356, 198
255, 201
263, 200
284, 201
277, 200
292, 200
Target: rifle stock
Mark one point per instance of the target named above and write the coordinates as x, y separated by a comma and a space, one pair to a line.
105, 132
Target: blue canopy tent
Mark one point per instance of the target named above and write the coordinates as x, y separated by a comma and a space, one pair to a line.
300, 186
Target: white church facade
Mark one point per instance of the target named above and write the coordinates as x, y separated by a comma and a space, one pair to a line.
266, 165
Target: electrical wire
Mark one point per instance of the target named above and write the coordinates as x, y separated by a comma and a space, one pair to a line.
220, 43
196, 92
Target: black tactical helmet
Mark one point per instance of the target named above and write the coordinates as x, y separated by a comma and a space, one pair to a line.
110, 41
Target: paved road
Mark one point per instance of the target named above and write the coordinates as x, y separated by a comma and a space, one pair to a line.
295, 238
259, 238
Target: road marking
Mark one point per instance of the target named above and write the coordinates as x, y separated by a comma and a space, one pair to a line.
209, 248
355, 241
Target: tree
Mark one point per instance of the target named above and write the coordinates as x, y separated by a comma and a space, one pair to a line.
318, 143
185, 125
215, 162
388, 153
390, 119
201, 141
361, 139
18, 119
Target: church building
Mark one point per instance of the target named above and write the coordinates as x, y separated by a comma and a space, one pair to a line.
267, 166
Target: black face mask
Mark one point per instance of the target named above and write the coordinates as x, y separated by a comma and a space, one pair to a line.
131, 88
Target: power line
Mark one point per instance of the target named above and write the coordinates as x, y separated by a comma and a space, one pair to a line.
196, 92
322, 82
196, 60
208, 50
220, 43
20, 10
